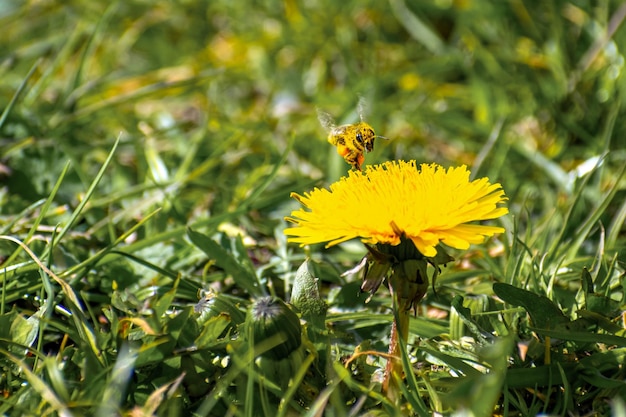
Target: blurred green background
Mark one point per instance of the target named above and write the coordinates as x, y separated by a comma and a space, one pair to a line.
241, 80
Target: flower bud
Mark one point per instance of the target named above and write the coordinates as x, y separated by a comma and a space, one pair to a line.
272, 321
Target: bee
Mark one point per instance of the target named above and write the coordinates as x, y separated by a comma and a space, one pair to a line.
351, 140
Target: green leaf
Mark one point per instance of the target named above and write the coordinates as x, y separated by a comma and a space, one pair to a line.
457, 363
212, 329
165, 301
479, 392
54, 369
6, 322
587, 281
539, 376
225, 260
181, 328
24, 331
118, 381
580, 336
40, 386
595, 378
465, 315
543, 312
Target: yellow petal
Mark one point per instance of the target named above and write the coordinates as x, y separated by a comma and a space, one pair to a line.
428, 205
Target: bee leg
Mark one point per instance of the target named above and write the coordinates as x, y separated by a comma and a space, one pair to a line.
343, 150
360, 160
356, 160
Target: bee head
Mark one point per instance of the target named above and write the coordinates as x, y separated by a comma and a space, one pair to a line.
366, 138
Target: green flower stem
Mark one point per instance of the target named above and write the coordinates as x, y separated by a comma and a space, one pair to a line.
399, 334
408, 284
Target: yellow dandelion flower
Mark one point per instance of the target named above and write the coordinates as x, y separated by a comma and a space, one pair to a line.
428, 205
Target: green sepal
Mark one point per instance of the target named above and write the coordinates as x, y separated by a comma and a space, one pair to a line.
410, 282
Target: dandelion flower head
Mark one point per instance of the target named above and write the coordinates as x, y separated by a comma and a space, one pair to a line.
429, 205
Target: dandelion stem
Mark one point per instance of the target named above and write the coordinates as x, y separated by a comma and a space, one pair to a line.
399, 334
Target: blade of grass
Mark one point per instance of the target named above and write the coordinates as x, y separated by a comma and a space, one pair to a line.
40, 386
271, 176
67, 289
16, 95
418, 29
211, 222
346, 378
88, 47
182, 174
552, 170
417, 325
615, 226
317, 408
23, 214
249, 395
221, 386
25, 267
597, 46
583, 231
56, 378
585, 337
293, 386
61, 58
141, 92
48, 306
43, 211
410, 389
114, 390
244, 277
92, 188
149, 265
11, 257
178, 232
556, 249
86, 333
568, 400
108, 250
487, 148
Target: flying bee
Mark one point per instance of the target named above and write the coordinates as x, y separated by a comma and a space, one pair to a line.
351, 140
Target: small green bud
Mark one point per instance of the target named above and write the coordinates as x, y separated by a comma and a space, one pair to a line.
410, 282
305, 295
273, 321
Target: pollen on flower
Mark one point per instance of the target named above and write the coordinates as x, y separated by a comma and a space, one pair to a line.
428, 205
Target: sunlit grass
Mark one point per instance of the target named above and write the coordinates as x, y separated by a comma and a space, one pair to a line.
147, 155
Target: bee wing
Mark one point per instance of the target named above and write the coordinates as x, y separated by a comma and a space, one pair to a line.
325, 119
362, 107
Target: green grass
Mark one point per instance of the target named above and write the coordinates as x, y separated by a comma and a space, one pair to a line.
147, 154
